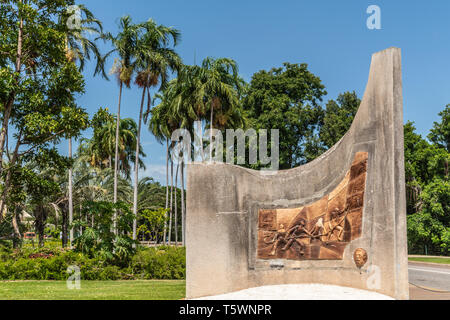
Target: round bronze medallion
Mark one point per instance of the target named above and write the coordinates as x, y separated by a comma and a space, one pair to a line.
360, 257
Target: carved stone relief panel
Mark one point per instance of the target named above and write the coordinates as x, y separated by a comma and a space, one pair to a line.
321, 230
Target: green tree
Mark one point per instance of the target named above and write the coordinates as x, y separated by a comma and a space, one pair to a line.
155, 59
428, 191
151, 195
209, 93
79, 48
100, 240
338, 118
160, 127
125, 44
153, 224
440, 134
431, 226
38, 101
100, 149
287, 99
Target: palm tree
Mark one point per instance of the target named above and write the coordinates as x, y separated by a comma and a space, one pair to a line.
209, 92
150, 193
176, 205
79, 49
213, 87
183, 208
154, 61
101, 147
160, 126
220, 87
70, 195
167, 186
171, 202
125, 44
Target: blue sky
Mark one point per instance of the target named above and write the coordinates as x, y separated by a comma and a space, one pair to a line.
330, 36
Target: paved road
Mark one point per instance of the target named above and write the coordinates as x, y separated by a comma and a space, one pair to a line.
435, 278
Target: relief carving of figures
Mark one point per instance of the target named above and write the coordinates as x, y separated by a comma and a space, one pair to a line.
320, 231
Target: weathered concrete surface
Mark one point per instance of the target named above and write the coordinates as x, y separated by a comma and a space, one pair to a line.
300, 292
223, 203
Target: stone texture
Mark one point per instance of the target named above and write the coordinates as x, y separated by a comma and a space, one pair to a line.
321, 230
306, 292
223, 203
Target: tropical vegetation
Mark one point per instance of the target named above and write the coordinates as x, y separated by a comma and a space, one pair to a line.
94, 202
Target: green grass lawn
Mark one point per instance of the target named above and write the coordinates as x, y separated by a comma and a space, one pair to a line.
93, 290
443, 260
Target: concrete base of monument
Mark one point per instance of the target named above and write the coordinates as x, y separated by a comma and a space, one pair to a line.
300, 292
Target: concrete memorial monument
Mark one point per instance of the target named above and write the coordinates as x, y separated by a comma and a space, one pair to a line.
339, 220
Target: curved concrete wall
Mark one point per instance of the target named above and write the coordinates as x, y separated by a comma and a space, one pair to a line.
223, 203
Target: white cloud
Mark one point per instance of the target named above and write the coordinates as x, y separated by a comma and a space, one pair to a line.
156, 171
147, 143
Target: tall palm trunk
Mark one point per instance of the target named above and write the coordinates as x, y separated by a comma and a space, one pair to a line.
116, 159
136, 165
176, 205
17, 236
171, 202
81, 214
211, 134
183, 208
70, 196
64, 227
92, 214
167, 190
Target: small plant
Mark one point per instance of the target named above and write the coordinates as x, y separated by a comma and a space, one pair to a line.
153, 226
101, 241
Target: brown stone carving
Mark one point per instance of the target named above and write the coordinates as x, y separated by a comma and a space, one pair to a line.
360, 257
267, 219
321, 230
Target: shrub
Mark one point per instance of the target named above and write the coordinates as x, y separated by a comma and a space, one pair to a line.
159, 263
51, 264
100, 241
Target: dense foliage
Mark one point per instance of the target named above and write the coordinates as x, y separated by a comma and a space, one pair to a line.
52, 264
39, 85
428, 187
98, 238
288, 99
90, 202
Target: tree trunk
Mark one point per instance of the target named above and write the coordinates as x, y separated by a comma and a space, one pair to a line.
176, 205
211, 134
64, 228
136, 165
17, 236
167, 190
81, 215
40, 220
116, 159
171, 202
70, 196
183, 208
7, 182
10, 103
